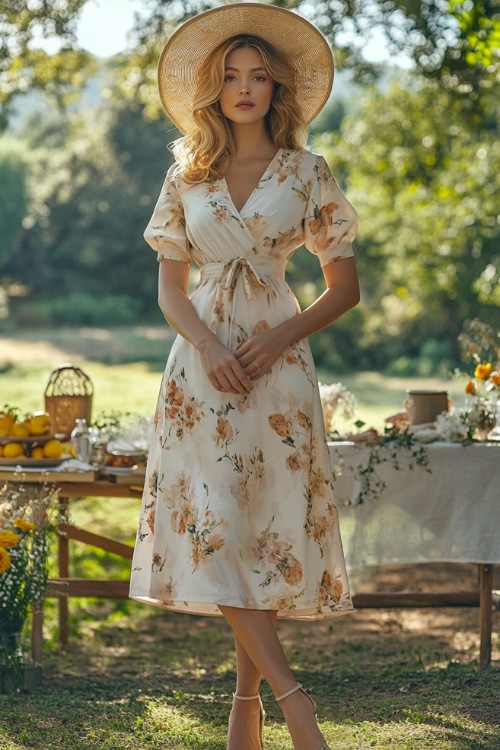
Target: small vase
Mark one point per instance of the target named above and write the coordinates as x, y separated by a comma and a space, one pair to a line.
486, 422
11, 660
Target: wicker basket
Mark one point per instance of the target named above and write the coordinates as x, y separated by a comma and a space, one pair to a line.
68, 396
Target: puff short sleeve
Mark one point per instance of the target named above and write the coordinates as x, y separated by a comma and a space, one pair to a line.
330, 223
166, 231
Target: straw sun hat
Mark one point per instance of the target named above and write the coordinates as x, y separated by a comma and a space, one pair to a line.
305, 48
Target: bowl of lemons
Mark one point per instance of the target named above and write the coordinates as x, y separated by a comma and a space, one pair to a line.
28, 440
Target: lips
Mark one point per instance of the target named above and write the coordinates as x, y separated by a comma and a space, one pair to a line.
245, 105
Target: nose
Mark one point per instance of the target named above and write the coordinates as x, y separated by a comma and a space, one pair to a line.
244, 89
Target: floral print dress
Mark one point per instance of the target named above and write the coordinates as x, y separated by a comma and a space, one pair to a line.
238, 507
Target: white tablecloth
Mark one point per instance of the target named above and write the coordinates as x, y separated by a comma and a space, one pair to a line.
449, 515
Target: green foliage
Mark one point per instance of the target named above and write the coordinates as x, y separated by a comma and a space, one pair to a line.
93, 179
14, 157
423, 175
24, 66
455, 42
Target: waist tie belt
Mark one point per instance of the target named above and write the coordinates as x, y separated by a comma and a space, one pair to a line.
251, 271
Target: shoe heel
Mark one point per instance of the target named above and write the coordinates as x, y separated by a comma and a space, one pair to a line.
298, 687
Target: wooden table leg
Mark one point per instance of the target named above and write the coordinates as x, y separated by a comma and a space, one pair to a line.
63, 568
485, 614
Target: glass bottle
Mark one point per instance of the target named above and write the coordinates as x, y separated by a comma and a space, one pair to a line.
80, 440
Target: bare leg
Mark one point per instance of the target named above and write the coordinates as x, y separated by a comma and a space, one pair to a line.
243, 733
247, 674
256, 632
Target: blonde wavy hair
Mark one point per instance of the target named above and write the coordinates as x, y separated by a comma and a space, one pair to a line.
205, 154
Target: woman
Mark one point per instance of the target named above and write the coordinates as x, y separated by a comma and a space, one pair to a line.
238, 516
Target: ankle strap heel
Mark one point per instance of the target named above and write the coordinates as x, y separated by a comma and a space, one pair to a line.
262, 713
298, 687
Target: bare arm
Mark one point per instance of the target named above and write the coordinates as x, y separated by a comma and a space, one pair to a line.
341, 295
222, 368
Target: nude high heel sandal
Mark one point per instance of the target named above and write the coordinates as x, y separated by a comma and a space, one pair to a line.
262, 713
296, 689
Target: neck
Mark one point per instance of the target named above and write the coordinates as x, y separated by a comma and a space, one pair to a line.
251, 140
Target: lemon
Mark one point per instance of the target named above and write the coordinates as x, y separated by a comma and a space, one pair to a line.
6, 423
53, 448
38, 423
37, 452
13, 450
68, 448
20, 429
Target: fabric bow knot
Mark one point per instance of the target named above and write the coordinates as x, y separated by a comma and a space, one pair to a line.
249, 275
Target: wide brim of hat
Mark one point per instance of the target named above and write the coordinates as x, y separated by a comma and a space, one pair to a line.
305, 48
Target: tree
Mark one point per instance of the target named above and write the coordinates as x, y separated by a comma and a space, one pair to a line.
92, 184
456, 42
25, 67
424, 179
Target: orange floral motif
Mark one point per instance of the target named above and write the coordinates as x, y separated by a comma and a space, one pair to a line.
158, 562
330, 592
281, 425
291, 425
186, 518
150, 520
295, 355
283, 240
224, 433
169, 593
284, 565
181, 414
251, 477
260, 327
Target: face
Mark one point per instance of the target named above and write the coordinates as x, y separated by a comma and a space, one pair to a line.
247, 89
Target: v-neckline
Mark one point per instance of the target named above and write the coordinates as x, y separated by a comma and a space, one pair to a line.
261, 179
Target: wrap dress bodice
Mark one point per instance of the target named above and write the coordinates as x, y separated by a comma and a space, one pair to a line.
238, 507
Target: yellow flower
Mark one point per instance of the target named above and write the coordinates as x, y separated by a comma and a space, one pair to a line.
23, 524
483, 371
4, 560
8, 539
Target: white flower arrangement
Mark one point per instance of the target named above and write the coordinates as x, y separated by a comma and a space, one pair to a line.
335, 398
453, 426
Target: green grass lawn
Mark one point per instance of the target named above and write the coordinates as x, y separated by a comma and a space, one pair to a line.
153, 680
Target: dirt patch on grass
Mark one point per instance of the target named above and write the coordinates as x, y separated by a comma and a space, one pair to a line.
15, 352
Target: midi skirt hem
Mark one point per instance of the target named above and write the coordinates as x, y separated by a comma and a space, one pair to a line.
211, 609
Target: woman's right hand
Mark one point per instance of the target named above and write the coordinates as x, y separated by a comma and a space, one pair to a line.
223, 369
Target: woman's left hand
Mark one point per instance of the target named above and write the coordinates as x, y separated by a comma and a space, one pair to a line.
258, 353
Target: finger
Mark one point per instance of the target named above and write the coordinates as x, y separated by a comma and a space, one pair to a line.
229, 381
254, 368
242, 348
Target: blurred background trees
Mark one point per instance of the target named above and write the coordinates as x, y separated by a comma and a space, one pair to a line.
416, 150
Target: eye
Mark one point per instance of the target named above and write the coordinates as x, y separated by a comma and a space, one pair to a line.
260, 78
229, 77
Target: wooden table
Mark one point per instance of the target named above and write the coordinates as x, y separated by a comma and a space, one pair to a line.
64, 587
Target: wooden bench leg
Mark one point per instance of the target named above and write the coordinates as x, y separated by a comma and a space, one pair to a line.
485, 614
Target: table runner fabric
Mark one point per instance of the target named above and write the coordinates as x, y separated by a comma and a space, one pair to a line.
451, 514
